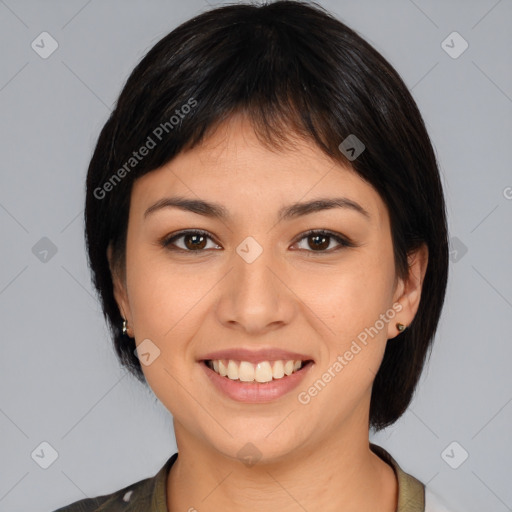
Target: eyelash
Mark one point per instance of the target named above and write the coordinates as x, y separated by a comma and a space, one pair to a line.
167, 242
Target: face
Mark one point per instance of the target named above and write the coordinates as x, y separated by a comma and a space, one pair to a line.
257, 281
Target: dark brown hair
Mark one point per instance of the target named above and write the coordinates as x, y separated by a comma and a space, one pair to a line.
292, 68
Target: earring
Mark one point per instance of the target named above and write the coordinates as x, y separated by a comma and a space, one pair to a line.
125, 326
400, 327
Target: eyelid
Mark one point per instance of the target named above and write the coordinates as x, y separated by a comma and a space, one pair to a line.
342, 240
166, 241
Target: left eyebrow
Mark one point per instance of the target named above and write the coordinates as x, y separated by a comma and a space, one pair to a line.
215, 210
298, 209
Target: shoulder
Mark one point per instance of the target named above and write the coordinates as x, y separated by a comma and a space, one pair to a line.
434, 502
147, 495
121, 500
413, 495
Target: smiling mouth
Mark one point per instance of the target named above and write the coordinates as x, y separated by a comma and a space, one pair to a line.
264, 371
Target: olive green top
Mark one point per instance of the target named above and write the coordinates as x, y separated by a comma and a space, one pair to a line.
149, 495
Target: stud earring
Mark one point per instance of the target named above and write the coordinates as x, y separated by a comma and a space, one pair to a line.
400, 327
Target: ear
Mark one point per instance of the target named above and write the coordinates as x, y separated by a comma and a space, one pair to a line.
120, 293
408, 290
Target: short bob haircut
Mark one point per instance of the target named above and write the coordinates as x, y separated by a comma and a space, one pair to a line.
291, 68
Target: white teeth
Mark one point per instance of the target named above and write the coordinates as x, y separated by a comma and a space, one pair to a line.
223, 370
263, 371
245, 371
278, 370
232, 370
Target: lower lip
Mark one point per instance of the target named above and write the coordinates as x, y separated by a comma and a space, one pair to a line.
256, 392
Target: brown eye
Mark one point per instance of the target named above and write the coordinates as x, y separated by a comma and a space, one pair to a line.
193, 241
320, 240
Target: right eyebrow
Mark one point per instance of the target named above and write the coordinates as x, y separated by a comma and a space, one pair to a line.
198, 206
294, 210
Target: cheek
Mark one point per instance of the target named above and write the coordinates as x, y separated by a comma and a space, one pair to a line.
350, 302
164, 302
350, 298
163, 294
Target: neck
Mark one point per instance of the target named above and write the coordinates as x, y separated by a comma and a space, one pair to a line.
342, 475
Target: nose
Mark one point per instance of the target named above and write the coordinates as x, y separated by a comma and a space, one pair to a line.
255, 297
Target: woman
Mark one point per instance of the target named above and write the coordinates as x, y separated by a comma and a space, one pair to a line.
266, 229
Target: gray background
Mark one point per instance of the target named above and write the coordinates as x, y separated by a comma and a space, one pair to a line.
60, 381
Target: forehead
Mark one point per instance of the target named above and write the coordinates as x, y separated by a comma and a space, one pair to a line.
232, 165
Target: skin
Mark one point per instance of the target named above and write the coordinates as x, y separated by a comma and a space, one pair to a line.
292, 296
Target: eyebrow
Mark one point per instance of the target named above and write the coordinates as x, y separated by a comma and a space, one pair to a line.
217, 211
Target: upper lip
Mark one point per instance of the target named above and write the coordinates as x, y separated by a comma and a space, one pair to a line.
255, 356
